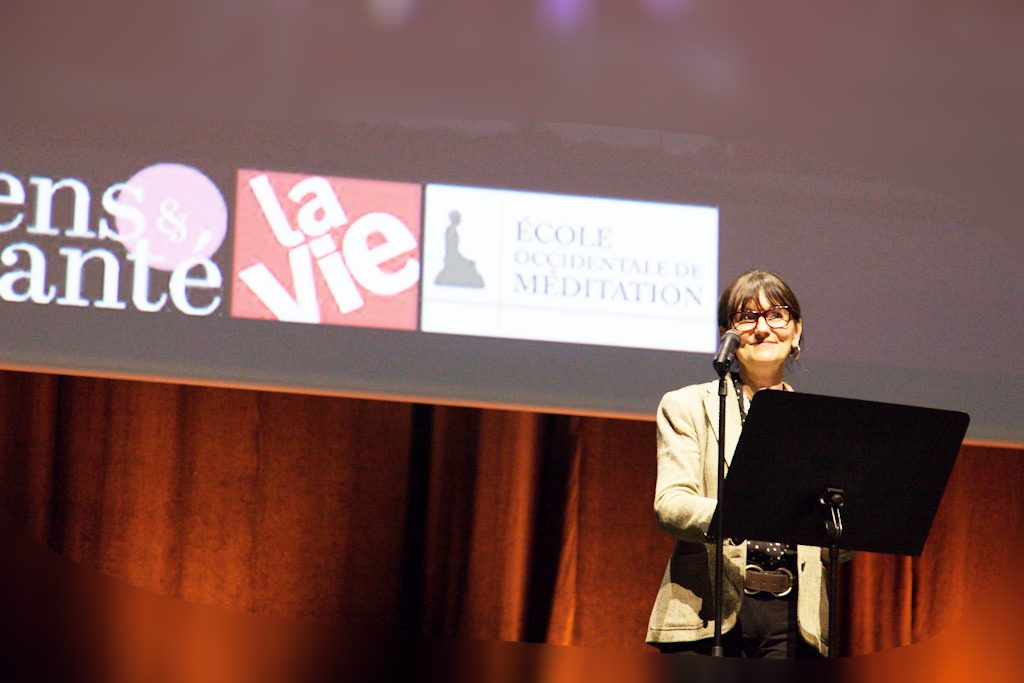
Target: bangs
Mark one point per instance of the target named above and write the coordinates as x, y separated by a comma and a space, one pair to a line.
748, 287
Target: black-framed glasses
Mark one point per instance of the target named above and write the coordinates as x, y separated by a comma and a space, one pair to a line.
776, 317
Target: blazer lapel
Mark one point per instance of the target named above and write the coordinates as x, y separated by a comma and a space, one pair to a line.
733, 424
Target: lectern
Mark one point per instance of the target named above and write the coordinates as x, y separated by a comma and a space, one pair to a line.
839, 473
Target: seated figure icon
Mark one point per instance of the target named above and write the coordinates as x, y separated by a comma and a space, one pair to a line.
458, 270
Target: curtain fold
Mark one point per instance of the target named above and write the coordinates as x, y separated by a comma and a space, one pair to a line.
446, 521
561, 627
482, 518
28, 430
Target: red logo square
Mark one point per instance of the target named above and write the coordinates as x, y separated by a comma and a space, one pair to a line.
324, 250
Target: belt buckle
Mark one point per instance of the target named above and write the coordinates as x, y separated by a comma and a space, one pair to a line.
780, 594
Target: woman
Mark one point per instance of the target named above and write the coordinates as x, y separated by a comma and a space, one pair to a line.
774, 600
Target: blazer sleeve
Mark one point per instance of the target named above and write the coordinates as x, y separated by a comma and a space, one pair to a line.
680, 500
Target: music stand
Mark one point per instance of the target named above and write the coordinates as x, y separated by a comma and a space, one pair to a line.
839, 473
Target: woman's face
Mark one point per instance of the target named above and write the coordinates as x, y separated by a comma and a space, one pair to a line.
764, 346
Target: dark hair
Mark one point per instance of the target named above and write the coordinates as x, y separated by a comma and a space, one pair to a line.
749, 286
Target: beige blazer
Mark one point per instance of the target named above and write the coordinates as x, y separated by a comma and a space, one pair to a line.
684, 501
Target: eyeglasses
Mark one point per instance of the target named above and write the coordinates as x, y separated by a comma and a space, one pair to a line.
776, 317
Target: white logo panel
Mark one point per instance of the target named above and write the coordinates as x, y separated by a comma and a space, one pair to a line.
561, 268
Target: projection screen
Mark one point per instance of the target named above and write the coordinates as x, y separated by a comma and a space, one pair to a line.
551, 267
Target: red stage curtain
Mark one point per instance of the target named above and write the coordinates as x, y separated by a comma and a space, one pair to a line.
472, 523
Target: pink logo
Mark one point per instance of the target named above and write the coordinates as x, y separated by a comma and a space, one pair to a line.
321, 250
180, 216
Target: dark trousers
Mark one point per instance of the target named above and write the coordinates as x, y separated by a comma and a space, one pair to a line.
766, 629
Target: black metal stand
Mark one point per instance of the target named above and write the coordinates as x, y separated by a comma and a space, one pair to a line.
832, 502
723, 392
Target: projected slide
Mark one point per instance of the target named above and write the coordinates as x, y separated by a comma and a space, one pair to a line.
447, 263
545, 267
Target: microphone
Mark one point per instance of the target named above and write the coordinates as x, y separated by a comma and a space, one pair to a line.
726, 349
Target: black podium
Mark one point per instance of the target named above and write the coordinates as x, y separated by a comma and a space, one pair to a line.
839, 473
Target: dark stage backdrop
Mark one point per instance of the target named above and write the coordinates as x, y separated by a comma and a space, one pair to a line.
461, 522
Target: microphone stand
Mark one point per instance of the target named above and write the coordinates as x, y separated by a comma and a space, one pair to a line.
832, 502
723, 391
